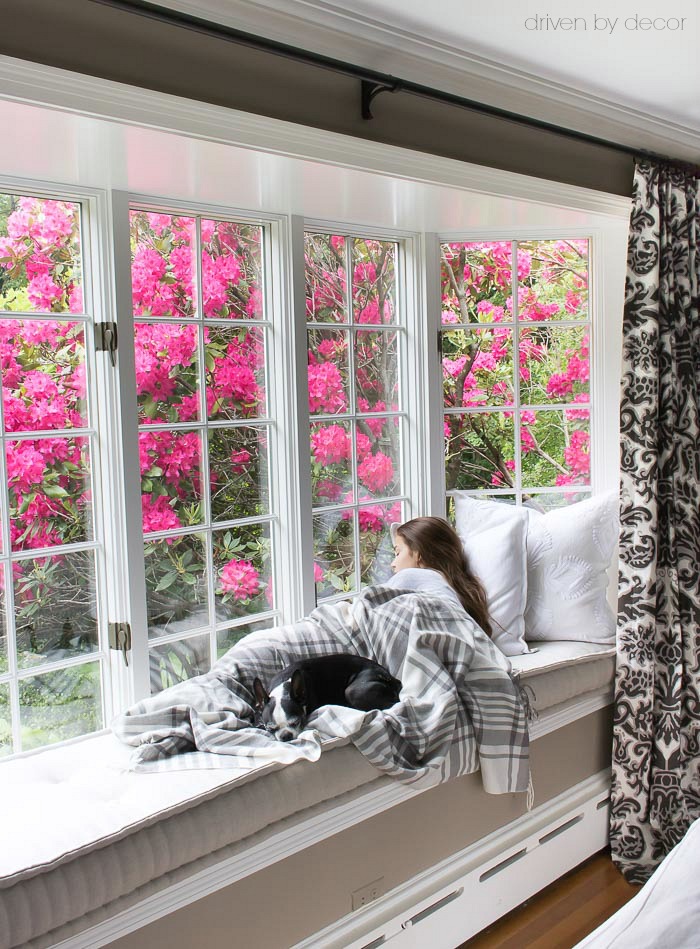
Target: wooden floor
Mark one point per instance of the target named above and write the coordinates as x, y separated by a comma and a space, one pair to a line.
563, 913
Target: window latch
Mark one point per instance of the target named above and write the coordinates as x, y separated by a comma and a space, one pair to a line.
120, 638
106, 340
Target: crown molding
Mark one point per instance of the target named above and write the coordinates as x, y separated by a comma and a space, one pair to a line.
60, 89
331, 30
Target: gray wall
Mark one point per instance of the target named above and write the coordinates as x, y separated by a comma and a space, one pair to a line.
87, 37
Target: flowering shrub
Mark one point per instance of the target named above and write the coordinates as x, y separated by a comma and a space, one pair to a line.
350, 289
550, 368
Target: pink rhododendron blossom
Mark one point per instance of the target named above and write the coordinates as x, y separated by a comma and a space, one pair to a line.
576, 454
559, 385
376, 471
527, 442
330, 490
157, 514
240, 579
26, 466
363, 445
239, 460
330, 444
318, 573
326, 392
370, 518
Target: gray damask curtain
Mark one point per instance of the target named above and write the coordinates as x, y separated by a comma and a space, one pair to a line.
656, 754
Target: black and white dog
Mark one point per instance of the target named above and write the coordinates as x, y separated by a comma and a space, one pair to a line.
307, 684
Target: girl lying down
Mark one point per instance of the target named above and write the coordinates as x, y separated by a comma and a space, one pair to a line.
430, 559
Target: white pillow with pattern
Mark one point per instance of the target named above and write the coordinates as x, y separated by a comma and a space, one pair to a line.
568, 555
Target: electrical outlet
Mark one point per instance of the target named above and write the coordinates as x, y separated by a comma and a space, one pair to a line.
368, 893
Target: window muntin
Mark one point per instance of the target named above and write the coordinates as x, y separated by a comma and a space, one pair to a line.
201, 336
516, 428
51, 663
354, 341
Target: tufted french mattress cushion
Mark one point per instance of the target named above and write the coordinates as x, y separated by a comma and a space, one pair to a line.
87, 834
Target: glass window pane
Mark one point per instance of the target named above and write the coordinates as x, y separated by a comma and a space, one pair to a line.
171, 479
5, 721
477, 367
242, 571
235, 373
177, 599
334, 553
553, 280
331, 463
479, 450
167, 386
163, 265
329, 374
373, 281
55, 607
226, 638
40, 266
376, 548
43, 375
376, 371
326, 278
476, 282
239, 472
554, 365
176, 661
49, 490
555, 448
377, 444
551, 501
231, 270
60, 705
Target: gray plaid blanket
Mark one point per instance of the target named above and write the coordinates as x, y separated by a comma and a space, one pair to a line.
459, 708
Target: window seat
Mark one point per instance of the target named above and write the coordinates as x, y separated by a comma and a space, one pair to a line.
96, 839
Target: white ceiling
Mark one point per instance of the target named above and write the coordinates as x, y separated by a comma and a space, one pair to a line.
644, 82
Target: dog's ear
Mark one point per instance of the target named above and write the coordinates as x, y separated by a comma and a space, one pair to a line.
297, 688
261, 695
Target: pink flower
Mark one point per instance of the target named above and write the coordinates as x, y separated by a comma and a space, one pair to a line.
573, 302
239, 459
576, 454
240, 579
371, 518
559, 384
376, 471
318, 573
326, 393
330, 444
157, 514
329, 490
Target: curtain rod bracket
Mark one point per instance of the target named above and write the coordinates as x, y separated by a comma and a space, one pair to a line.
370, 89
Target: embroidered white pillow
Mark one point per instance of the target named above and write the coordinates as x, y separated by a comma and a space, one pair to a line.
493, 535
568, 554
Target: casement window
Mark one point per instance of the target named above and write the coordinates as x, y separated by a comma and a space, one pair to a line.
201, 339
53, 647
515, 342
355, 344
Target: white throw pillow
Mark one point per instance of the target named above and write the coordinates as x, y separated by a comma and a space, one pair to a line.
568, 554
493, 535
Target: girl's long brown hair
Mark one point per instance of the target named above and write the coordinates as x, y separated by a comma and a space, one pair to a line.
438, 546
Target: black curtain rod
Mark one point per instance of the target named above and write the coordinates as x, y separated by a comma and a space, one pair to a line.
372, 82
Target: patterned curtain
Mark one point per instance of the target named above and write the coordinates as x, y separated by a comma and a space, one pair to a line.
656, 753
